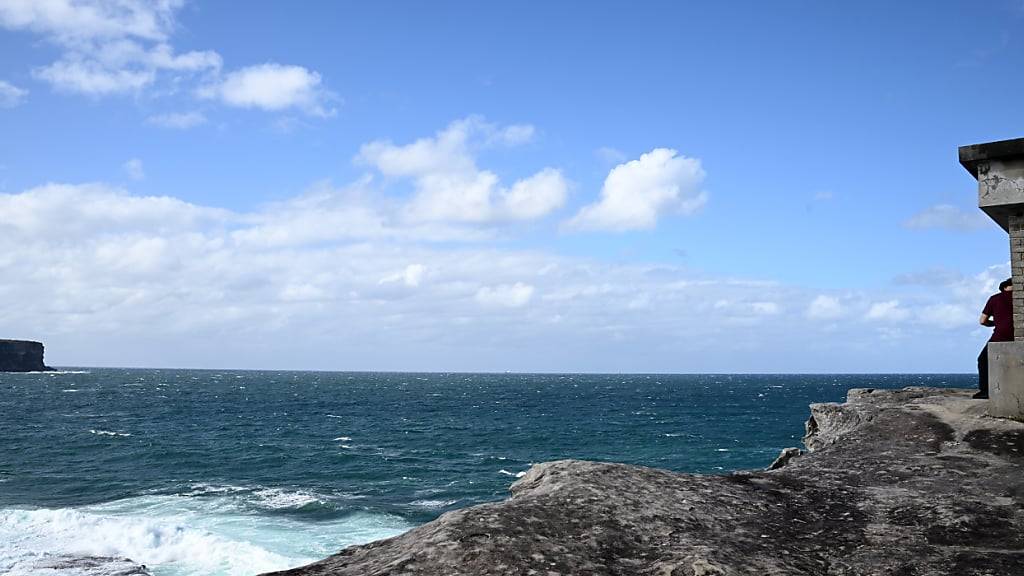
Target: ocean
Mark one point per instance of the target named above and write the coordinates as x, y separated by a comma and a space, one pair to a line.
224, 472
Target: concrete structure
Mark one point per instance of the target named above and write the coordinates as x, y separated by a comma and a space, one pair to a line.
999, 168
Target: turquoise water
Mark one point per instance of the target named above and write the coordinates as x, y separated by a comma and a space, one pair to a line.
237, 472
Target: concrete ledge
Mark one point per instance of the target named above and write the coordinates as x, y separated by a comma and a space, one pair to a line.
1006, 379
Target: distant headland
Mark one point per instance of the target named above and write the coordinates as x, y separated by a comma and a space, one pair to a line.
22, 356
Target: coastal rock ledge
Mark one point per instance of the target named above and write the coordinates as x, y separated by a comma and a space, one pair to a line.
907, 482
22, 356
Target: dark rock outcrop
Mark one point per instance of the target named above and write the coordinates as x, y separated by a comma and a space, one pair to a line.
909, 482
22, 356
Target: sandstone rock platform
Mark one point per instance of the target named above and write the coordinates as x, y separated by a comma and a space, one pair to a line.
909, 482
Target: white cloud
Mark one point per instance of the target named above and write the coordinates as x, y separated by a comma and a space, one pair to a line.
91, 77
948, 316
825, 308
108, 277
411, 276
508, 295
108, 46
449, 185
750, 309
111, 47
947, 217
134, 169
178, 120
61, 212
888, 311
273, 87
11, 95
636, 193
75, 21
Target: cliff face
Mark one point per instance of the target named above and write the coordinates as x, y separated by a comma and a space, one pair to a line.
909, 482
21, 356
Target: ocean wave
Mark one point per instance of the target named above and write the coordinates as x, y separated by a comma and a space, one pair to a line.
515, 474
31, 534
221, 534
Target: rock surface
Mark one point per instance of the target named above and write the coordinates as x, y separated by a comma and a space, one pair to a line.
908, 482
22, 356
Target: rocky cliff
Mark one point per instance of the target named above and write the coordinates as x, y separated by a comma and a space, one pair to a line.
909, 482
21, 356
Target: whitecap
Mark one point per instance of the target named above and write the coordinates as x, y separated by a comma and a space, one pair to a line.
432, 504
109, 433
342, 439
516, 474
279, 499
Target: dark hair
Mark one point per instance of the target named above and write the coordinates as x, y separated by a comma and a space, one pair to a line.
1005, 284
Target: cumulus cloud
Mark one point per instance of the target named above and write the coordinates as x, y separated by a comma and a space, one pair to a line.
450, 187
178, 120
638, 192
62, 212
109, 277
111, 47
73, 21
947, 217
108, 46
11, 95
273, 87
825, 308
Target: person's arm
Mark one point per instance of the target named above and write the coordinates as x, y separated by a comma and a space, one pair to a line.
986, 320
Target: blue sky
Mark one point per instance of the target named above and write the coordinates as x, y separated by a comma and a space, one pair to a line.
600, 186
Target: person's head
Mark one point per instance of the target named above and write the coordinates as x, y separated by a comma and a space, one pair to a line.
1006, 285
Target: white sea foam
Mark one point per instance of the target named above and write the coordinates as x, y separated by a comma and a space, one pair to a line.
70, 390
154, 542
432, 504
342, 439
278, 499
184, 535
516, 474
109, 433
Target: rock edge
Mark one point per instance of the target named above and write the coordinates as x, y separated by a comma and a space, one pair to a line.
22, 356
909, 482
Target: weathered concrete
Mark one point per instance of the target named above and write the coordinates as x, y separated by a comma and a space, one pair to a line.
22, 356
913, 482
999, 168
1006, 371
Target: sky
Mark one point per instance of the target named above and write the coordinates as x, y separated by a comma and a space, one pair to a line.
600, 186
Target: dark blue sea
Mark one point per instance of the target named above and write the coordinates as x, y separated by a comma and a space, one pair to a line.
195, 472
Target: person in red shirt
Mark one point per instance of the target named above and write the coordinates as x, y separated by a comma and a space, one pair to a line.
998, 313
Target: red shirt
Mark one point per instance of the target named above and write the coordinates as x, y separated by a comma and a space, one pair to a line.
1000, 307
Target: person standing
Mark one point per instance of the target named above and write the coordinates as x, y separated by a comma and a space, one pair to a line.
998, 313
